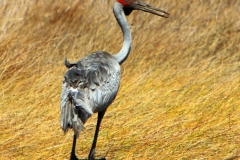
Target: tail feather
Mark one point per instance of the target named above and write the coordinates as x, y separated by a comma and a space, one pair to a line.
70, 118
77, 125
66, 116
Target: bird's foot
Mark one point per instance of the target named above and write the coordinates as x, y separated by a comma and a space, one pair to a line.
91, 156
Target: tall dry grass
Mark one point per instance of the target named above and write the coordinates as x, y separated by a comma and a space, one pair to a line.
179, 97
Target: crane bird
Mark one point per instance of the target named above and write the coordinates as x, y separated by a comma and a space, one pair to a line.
91, 84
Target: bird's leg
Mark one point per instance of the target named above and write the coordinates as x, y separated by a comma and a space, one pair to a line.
73, 155
91, 155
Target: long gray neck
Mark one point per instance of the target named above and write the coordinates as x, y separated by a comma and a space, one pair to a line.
122, 55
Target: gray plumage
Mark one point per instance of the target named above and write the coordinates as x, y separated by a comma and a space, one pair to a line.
91, 84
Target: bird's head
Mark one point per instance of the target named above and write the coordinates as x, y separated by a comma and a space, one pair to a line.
130, 5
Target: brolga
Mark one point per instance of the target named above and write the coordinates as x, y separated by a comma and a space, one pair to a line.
91, 84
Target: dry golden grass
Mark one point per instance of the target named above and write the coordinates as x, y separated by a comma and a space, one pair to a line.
179, 97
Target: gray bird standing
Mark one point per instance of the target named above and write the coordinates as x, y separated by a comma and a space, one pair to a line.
91, 84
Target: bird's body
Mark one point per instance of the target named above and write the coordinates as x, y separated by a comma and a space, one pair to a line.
95, 80
91, 84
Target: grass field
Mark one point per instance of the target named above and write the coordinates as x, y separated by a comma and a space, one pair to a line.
180, 87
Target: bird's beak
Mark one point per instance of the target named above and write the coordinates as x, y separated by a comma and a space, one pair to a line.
138, 5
